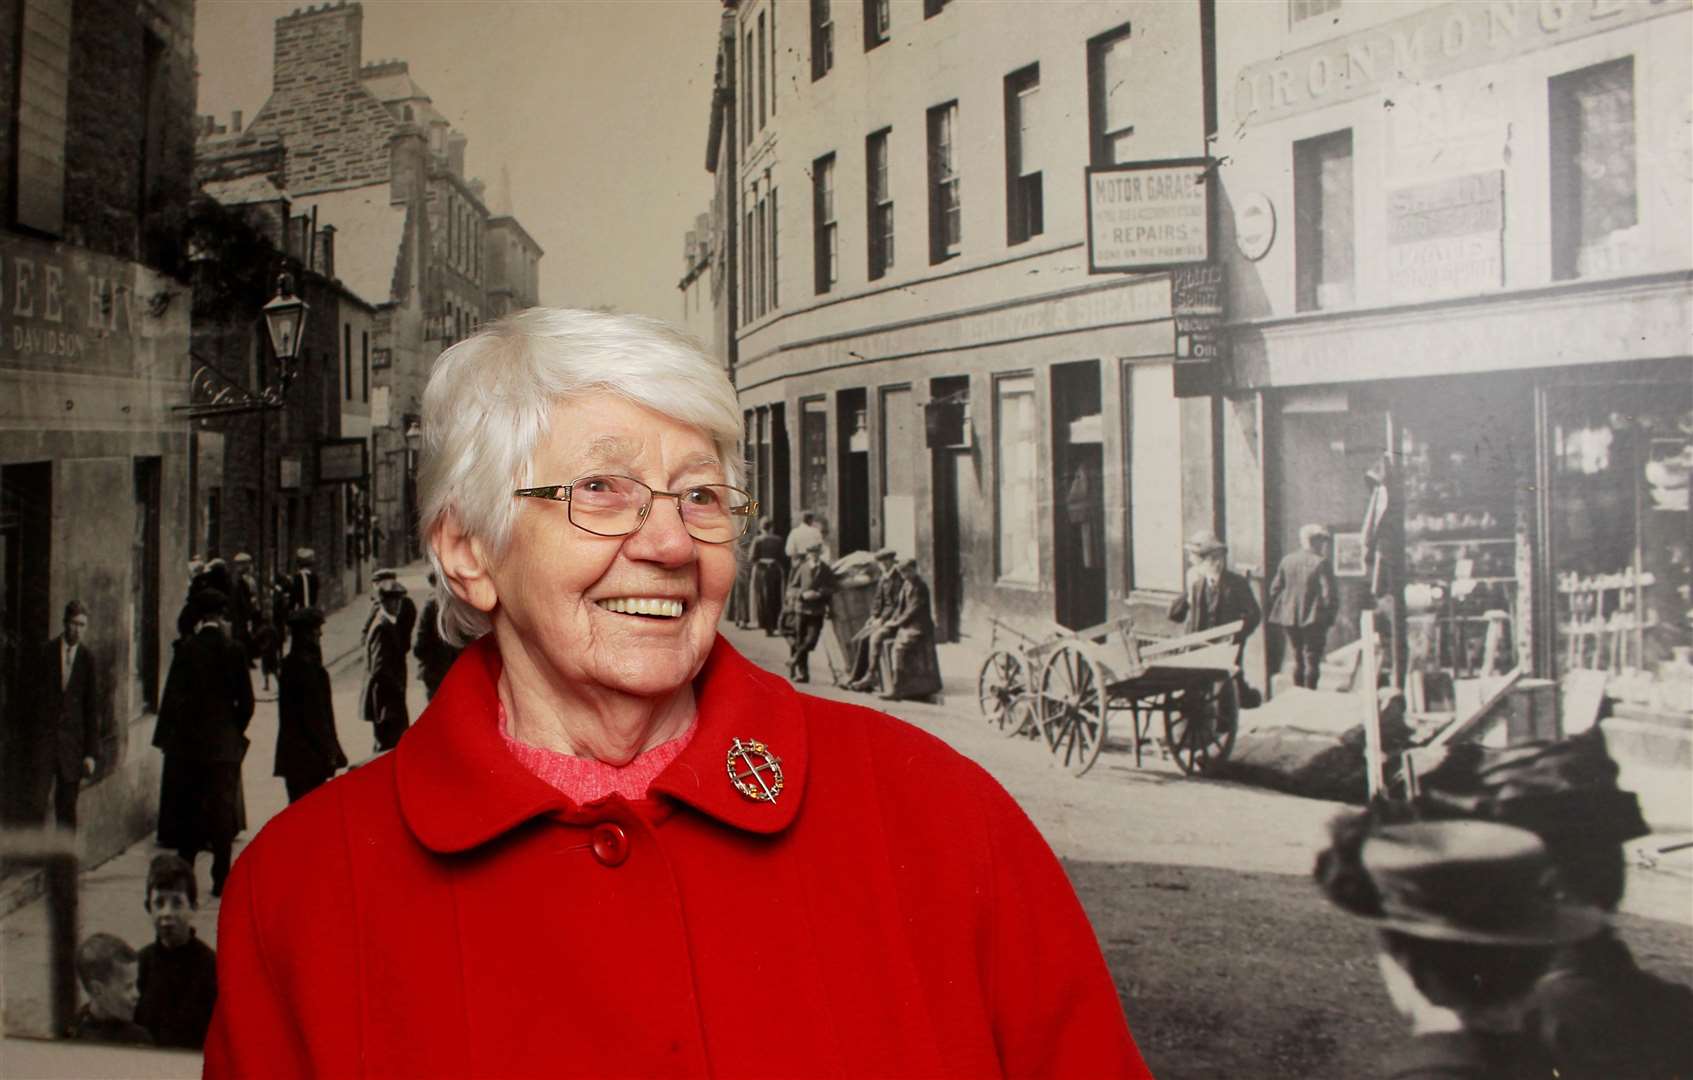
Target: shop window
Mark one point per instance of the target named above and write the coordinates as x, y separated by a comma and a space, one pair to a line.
875, 23
822, 39
1109, 82
946, 224
1620, 457
1322, 208
823, 237
1594, 205
1016, 505
1155, 484
880, 200
1023, 210
814, 446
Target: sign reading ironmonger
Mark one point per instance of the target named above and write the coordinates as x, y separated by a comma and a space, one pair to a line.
1148, 215
1426, 45
1445, 237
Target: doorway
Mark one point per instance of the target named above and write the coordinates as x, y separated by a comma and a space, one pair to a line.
1078, 484
852, 426
144, 584
26, 515
953, 483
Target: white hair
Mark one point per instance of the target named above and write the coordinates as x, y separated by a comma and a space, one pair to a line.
489, 402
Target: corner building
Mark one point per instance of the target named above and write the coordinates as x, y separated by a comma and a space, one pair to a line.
1459, 235
921, 353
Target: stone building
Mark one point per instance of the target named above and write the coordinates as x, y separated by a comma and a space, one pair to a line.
923, 350
368, 153
94, 352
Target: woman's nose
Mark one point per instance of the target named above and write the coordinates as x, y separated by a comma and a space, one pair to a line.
662, 537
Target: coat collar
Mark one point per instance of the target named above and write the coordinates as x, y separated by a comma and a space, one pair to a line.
459, 787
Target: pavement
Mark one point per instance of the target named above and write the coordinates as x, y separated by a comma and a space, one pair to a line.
1148, 816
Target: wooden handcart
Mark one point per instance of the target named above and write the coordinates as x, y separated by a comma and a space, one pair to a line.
1006, 683
1184, 684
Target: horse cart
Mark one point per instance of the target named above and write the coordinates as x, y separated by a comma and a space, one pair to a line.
1065, 687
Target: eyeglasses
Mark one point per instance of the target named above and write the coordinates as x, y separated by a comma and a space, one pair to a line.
619, 505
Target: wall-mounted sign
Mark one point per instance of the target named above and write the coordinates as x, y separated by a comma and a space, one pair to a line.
290, 470
379, 398
381, 358
341, 461
1196, 303
1149, 215
1254, 225
1444, 238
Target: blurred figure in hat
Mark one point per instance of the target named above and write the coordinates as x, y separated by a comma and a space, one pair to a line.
303, 586
867, 643
1383, 534
911, 624
407, 617
308, 751
434, 653
384, 697
1302, 603
1466, 923
245, 606
809, 587
203, 716
769, 578
1216, 596
1595, 1012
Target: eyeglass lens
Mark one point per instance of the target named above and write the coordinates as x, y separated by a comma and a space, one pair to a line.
615, 505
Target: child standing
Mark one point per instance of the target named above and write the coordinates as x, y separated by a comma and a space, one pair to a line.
106, 967
179, 981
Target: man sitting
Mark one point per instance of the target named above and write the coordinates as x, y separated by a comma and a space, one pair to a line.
867, 643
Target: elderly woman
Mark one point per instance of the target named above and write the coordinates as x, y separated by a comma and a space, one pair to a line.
612, 846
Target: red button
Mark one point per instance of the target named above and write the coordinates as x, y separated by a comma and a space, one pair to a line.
610, 843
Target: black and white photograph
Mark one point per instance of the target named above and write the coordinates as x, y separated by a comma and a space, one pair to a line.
846, 538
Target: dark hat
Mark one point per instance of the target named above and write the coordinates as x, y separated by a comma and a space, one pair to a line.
908, 564
391, 587
1559, 790
305, 618
1204, 542
208, 601
887, 553
1472, 881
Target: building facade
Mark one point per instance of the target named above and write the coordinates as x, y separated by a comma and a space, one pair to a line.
94, 351
368, 153
921, 350
1460, 236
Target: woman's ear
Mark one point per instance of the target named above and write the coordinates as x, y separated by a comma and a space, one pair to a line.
464, 562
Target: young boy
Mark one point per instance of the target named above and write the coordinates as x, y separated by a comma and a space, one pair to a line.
105, 965
179, 982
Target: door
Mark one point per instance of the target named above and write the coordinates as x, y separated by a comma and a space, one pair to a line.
814, 457
852, 424
1078, 487
953, 486
144, 587
26, 514
898, 420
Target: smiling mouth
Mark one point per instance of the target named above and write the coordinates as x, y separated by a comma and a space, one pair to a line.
648, 607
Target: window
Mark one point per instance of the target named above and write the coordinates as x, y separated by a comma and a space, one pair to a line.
946, 229
762, 88
746, 91
1593, 168
761, 269
746, 266
1109, 81
1322, 227
42, 85
364, 384
1016, 506
770, 246
875, 23
824, 252
347, 360
1300, 10
880, 204
822, 39
1023, 211
151, 163
931, 8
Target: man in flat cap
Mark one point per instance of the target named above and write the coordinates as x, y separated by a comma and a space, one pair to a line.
308, 750
867, 643
1302, 603
407, 617
809, 587
1215, 595
384, 696
203, 717
303, 586
916, 670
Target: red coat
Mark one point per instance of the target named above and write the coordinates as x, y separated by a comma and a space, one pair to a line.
443, 912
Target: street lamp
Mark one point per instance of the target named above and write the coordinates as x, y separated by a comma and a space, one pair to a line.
285, 318
414, 441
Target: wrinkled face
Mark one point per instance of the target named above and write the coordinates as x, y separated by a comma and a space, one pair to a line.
117, 996
171, 912
1210, 564
75, 626
572, 598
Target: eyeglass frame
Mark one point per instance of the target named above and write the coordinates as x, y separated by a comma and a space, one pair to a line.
747, 512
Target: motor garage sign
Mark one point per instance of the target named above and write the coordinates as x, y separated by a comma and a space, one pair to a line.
1149, 215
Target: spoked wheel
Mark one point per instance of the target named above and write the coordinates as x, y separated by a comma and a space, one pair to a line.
1024, 718
997, 686
1072, 708
1199, 722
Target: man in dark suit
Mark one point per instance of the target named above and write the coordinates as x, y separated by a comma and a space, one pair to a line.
1302, 603
68, 713
303, 586
1216, 596
203, 717
384, 696
916, 668
867, 643
308, 752
809, 587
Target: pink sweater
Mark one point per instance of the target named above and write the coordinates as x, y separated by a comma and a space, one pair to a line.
587, 780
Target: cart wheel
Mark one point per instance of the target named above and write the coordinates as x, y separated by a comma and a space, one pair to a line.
1072, 708
999, 684
1023, 718
1199, 723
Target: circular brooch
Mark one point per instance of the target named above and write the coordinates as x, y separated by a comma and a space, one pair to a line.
755, 771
